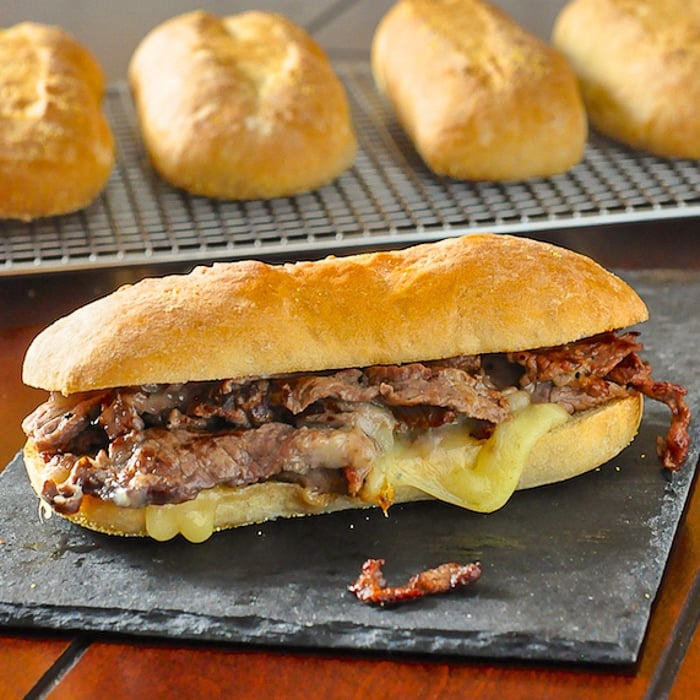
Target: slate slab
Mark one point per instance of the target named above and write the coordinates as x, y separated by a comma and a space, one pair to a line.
570, 574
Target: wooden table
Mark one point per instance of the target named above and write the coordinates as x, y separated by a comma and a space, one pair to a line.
84, 666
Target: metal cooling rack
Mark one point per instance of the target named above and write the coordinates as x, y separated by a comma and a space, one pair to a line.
388, 197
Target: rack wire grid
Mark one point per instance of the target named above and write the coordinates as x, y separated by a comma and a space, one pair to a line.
387, 198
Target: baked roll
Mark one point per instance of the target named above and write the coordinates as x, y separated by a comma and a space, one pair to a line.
240, 107
481, 98
638, 64
56, 147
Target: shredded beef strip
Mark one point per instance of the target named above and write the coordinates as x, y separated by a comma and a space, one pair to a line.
370, 586
672, 449
163, 443
606, 366
592, 357
406, 385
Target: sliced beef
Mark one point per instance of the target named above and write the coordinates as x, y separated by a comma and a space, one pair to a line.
461, 387
448, 387
158, 466
592, 371
590, 357
164, 443
672, 449
64, 423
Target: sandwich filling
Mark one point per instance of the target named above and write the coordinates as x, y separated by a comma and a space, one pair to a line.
348, 431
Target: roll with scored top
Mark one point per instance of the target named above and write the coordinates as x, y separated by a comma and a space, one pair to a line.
56, 146
246, 106
479, 97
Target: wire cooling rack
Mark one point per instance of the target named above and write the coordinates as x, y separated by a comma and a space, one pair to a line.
387, 198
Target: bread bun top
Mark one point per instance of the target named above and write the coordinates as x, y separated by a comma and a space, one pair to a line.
474, 294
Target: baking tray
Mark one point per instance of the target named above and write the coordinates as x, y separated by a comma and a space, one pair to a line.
570, 571
387, 198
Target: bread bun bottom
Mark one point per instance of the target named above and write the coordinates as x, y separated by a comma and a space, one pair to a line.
598, 434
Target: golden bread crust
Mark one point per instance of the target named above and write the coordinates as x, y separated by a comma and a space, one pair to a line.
599, 435
481, 99
470, 295
56, 147
638, 63
240, 107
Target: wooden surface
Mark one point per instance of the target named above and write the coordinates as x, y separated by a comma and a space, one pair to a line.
68, 666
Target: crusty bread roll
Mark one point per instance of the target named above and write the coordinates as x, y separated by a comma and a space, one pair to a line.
56, 147
638, 63
604, 431
250, 318
480, 98
135, 373
241, 107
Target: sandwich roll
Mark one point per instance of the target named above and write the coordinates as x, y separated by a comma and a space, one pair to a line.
638, 64
240, 107
479, 97
461, 370
56, 147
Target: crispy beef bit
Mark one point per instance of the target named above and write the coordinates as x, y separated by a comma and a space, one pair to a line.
590, 357
370, 586
673, 449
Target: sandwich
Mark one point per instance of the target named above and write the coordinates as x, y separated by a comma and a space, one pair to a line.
460, 370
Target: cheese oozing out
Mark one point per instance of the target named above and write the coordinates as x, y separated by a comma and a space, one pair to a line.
451, 465
193, 519
447, 463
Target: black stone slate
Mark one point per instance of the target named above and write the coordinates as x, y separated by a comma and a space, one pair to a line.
570, 571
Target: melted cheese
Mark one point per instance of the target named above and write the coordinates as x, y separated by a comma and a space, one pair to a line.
193, 519
451, 465
447, 463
